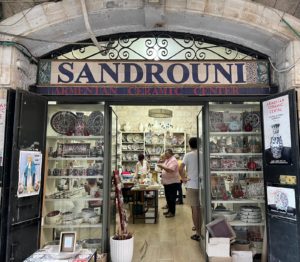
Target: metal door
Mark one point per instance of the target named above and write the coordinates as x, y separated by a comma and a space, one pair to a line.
24, 214
201, 170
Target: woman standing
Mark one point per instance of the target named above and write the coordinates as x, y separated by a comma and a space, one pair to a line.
142, 167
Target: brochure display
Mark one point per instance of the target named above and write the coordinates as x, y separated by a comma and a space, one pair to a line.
281, 172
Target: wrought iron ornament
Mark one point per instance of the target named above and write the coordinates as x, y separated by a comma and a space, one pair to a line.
158, 46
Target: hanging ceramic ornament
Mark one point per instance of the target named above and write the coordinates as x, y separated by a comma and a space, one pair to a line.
141, 127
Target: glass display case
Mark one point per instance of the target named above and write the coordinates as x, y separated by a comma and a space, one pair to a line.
236, 175
73, 183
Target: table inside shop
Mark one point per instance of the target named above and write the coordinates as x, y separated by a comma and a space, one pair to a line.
44, 255
126, 191
143, 199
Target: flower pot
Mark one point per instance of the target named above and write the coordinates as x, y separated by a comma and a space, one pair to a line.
121, 250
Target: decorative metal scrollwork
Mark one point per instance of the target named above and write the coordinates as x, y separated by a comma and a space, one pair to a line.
158, 46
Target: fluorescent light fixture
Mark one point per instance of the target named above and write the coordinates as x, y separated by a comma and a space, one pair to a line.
160, 113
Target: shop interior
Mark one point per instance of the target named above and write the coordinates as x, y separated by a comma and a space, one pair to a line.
151, 130
235, 175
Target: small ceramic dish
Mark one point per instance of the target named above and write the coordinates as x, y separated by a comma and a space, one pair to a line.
78, 220
53, 217
94, 219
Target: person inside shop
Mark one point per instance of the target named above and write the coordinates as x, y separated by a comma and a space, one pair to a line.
179, 199
142, 167
161, 160
170, 180
190, 165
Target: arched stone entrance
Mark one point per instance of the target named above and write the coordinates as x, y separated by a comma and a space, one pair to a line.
57, 24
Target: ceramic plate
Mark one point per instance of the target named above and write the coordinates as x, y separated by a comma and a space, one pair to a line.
252, 119
63, 122
130, 138
155, 139
137, 138
135, 147
158, 150
95, 123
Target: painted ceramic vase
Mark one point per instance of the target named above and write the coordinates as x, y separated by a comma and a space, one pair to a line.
276, 144
79, 125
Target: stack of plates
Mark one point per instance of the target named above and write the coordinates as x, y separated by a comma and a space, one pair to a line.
250, 214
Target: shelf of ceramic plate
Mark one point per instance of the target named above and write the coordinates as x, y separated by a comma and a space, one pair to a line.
231, 133
56, 226
132, 137
238, 201
232, 172
74, 158
236, 154
240, 223
76, 198
76, 177
61, 137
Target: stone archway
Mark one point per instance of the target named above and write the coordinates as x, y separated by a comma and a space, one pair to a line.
245, 23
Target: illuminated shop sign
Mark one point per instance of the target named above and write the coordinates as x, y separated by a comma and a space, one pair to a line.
160, 78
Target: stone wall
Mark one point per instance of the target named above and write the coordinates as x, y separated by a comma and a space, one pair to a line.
17, 71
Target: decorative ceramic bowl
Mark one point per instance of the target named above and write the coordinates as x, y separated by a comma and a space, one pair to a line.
53, 217
87, 213
78, 220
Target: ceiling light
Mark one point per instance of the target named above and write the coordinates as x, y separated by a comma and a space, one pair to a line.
160, 113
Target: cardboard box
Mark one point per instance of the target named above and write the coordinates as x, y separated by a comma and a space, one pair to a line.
220, 259
242, 256
149, 220
240, 247
150, 214
217, 246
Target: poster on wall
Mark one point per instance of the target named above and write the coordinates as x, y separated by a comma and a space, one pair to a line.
2, 128
30, 167
277, 131
282, 201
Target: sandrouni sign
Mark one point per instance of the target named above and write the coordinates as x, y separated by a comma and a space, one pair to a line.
63, 77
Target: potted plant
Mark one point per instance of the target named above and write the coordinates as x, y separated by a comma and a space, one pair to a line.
121, 244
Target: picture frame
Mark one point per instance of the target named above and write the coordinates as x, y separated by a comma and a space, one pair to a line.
67, 242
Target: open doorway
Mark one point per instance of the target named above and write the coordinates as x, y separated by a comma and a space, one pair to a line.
151, 130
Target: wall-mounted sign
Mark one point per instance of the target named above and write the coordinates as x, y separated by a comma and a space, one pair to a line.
277, 130
282, 201
2, 128
152, 77
154, 91
30, 166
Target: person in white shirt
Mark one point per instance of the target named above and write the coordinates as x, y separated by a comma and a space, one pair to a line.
190, 165
142, 167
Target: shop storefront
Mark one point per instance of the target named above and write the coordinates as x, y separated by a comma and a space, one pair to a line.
79, 111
